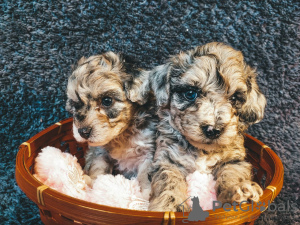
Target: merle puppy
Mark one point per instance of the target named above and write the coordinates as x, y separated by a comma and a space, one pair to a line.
207, 98
120, 133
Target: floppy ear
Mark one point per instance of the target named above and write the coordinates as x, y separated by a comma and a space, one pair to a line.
156, 80
160, 83
115, 63
253, 109
160, 76
138, 89
113, 60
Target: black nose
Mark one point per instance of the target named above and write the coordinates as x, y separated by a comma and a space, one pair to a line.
211, 132
85, 132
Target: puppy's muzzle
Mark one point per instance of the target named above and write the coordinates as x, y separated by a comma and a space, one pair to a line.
211, 132
85, 132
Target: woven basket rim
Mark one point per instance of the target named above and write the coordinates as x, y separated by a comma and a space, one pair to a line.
26, 180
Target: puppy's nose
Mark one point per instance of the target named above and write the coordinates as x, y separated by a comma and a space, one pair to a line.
211, 132
85, 132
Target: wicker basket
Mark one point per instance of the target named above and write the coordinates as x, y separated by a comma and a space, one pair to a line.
57, 208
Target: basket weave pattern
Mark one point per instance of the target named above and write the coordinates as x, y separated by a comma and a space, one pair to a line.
57, 208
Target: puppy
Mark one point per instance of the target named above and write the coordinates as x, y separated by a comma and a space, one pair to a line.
120, 134
207, 98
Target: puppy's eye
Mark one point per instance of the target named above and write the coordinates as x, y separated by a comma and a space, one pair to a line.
107, 101
233, 98
237, 97
190, 95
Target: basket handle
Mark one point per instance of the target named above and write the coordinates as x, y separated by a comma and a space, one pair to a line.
28, 147
39, 193
169, 216
273, 189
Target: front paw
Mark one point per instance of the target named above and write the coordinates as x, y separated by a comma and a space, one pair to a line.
246, 190
88, 180
146, 193
168, 204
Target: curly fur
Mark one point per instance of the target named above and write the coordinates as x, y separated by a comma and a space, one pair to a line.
228, 100
122, 136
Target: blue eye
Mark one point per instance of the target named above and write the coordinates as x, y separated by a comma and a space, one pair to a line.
190, 95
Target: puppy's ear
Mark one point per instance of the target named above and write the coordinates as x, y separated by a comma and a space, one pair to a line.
111, 60
156, 80
138, 88
160, 83
253, 109
160, 76
116, 64
81, 61
137, 85
108, 61
78, 63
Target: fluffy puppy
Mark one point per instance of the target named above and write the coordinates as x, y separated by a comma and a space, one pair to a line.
207, 98
120, 134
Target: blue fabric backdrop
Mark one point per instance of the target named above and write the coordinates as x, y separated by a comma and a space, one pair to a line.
40, 40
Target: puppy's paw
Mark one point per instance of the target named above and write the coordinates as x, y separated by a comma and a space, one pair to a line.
163, 208
179, 208
146, 193
88, 180
169, 204
246, 190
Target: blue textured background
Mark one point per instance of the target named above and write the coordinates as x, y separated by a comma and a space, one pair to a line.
39, 40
